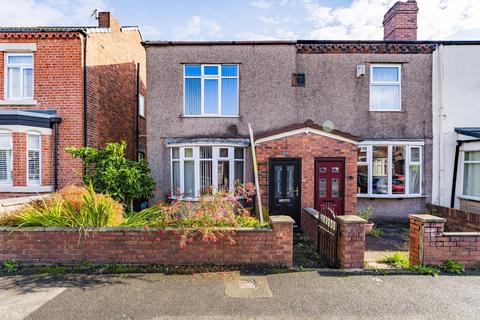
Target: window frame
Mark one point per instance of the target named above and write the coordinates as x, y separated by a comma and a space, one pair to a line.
204, 77
9, 180
397, 83
462, 193
408, 162
196, 158
7, 83
39, 181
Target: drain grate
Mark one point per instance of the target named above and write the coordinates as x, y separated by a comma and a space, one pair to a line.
248, 284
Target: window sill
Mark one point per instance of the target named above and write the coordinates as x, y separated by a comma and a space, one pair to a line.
379, 196
10, 188
18, 102
385, 110
468, 198
210, 116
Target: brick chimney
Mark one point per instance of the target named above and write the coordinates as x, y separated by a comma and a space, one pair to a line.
400, 22
107, 20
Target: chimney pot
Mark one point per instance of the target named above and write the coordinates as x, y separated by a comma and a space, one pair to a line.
400, 21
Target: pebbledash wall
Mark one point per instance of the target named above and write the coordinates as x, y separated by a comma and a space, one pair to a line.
39, 246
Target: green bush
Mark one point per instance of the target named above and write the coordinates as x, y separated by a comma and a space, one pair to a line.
111, 173
452, 266
426, 270
366, 214
398, 260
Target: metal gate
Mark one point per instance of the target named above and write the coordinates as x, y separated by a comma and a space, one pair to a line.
328, 234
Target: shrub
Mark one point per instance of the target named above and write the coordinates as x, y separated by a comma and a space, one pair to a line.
111, 173
398, 260
452, 266
366, 214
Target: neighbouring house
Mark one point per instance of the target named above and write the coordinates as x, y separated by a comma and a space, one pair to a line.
67, 86
338, 124
456, 124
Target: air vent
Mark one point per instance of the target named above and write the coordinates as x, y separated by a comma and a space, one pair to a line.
298, 80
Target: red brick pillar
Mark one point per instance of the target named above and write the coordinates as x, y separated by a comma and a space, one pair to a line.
351, 242
283, 233
424, 229
19, 175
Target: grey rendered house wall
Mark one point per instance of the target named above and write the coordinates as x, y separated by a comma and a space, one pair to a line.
267, 101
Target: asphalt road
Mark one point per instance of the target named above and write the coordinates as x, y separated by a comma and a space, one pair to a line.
303, 295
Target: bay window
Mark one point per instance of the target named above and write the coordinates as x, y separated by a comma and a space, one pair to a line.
19, 76
471, 174
210, 90
5, 158
385, 87
205, 169
390, 169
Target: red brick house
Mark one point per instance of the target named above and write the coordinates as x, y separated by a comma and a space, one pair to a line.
66, 86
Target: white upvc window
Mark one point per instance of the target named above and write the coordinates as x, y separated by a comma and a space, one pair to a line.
6, 162
210, 90
385, 87
471, 175
205, 169
19, 76
34, 158
389, 169
141, 106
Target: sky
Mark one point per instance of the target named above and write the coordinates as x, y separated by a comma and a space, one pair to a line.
251, 19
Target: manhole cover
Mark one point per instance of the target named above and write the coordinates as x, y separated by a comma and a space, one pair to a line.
248, 284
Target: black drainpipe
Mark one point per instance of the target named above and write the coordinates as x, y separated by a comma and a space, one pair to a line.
85, 98
137, 114
56, 122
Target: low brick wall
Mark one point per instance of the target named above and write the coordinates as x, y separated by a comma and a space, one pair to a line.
351, 237
457, 220
271, 246
431, 245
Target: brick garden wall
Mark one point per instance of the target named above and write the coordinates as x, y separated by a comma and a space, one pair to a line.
138, 246
431, 245
457, 220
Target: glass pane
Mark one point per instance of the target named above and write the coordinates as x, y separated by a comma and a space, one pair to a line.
206, 177
323, 170
210, 70
239, 153
290, 180
398, 170
14, 86
193, 92
176, 178
205, 152
27, 59
379, 170
362, 154
188, 152
278, 181
335, 169
414, 154
211, 96
5, 141
322, 188
189, 178
33, 165
223, 175
472, 156
471, 180
33, 142
414, 180
362, 180
385, 97
223, 152
385, 74
230, 96
175, 153
335, 188
5, 156
28, 83
193, 70
229, 70
239, 172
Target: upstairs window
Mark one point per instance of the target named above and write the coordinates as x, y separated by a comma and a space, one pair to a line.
5, 158
471, 174
34, 156
385, 88
19, 76
210, 90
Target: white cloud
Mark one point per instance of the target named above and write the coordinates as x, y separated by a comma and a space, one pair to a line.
437, 19
270, 20
150, 32
198, 28
262, 4
42, 13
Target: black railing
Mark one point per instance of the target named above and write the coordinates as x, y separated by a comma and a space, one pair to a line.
328, 233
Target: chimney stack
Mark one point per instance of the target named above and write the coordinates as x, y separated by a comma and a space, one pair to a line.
107, 20
400, 22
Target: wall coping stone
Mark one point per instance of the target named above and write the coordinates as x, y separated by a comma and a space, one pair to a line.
121, 229
281, 220
426, 218
314, 213
462, 234
351, 219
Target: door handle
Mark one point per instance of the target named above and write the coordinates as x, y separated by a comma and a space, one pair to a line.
296, 191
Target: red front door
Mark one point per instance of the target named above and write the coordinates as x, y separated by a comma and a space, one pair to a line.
329, 179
